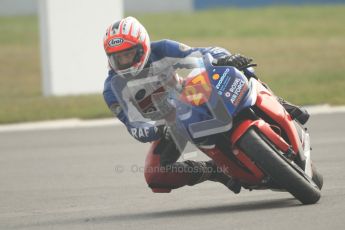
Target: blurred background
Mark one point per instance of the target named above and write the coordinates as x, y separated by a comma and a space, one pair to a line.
299, 47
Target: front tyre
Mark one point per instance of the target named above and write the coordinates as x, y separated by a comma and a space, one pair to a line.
317, 177
275, 165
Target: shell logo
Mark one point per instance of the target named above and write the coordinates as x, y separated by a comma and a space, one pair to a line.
215, 76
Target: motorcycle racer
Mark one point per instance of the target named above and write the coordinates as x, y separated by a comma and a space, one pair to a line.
129, 50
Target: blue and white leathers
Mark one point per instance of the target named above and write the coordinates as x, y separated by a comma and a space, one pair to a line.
147, 131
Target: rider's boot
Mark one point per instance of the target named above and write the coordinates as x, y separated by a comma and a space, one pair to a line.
208, 170
218, 176
297, 113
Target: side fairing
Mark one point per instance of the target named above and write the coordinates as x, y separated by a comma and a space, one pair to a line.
232, 86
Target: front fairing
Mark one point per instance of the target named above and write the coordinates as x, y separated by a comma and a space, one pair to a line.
231, 85
204, 98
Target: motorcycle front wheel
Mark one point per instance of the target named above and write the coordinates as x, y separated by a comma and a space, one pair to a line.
283, 172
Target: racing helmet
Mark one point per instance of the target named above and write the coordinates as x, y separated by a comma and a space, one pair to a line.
127, 45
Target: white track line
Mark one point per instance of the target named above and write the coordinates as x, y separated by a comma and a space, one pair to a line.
325, 109
78, 123
59, 124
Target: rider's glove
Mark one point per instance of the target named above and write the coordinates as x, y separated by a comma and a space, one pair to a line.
236, 60
163, 132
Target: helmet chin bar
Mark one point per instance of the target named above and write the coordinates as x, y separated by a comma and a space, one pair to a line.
139, 54
115, 63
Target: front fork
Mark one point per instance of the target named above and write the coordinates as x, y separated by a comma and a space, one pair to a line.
307, 149
305, 154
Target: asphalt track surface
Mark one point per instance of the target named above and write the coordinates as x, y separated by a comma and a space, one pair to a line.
91, 178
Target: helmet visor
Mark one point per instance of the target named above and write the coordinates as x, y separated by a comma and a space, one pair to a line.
124, 59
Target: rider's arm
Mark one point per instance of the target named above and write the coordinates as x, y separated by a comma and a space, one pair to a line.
143, 132
169, 48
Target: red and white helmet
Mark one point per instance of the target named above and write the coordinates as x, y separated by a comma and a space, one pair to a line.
127, 45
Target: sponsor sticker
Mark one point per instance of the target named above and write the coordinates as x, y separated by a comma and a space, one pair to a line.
215, 77
116, 109
236, 90
184, 47
223, 82
216, 50
115, 42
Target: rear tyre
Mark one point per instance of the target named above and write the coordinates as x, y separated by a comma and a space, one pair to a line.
275, 165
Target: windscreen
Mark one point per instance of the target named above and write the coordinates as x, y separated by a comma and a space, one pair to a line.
177, 93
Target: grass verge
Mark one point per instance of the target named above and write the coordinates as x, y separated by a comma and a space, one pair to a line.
299, 50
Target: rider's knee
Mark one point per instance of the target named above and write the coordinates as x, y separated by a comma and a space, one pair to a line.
155, 180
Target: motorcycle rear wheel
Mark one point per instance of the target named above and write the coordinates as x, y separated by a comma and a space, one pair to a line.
277, 167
